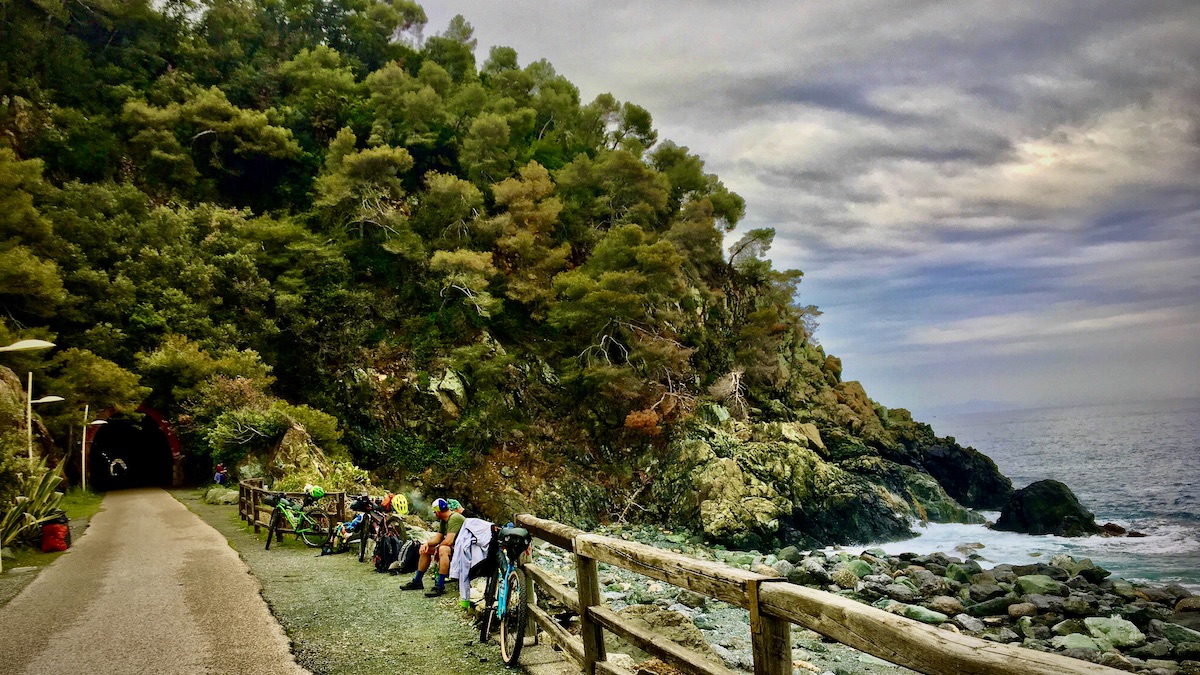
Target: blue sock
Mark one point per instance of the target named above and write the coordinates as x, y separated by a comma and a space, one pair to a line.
441, 580
419, 576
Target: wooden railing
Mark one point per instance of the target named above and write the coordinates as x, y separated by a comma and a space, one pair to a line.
774, 605
253, 511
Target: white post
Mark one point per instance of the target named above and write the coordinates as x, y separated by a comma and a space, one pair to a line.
29, 417
83, 451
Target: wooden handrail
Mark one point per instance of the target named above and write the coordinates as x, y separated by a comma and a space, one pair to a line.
775, 604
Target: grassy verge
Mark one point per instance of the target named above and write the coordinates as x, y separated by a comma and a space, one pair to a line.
342, 617
21, 569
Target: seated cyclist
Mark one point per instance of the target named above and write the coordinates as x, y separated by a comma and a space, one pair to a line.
440, 546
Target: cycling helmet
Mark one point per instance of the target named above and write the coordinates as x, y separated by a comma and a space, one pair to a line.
314, 491
439, 505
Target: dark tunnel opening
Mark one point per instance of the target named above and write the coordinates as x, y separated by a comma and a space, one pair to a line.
129, 452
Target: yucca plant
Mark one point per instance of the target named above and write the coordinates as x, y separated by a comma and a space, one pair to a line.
37, 501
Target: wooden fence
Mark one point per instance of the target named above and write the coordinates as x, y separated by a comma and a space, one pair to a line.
253, 511
774, 605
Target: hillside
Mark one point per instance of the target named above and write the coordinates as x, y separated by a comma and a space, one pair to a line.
447, 268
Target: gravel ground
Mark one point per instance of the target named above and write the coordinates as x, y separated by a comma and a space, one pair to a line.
342, 617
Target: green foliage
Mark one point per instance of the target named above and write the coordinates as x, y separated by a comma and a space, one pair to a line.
251, 215
344, 477
36, 501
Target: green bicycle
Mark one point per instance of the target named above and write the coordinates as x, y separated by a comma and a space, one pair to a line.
310, 524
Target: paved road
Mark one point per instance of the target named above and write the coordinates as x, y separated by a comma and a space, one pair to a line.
149, 588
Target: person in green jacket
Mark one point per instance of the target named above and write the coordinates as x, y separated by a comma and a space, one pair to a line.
440, 546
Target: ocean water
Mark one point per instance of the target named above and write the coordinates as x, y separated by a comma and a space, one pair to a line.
1137, 465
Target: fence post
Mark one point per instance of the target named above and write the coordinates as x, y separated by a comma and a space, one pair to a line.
587, 582
770, 637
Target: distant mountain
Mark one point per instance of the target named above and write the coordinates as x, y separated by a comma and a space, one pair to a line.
966, 407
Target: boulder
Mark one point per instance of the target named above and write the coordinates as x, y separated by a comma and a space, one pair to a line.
1079, 641
918, 613
1116, 632
1046, 507
1178, 634
1040, 584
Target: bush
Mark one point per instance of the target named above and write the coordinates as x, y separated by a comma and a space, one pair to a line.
36, 502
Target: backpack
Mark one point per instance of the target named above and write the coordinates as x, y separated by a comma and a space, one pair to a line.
56, 533
409, 556
386, 552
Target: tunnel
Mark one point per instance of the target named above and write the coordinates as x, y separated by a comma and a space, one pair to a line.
131, 451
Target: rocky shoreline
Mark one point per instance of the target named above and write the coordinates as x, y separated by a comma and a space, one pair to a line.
1068, 606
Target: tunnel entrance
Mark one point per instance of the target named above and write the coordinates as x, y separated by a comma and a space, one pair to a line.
130, 452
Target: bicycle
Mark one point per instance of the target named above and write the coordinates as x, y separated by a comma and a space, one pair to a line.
310, 524
506, 597
381, 519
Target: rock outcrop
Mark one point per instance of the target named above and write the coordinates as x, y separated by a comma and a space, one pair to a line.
1047, 507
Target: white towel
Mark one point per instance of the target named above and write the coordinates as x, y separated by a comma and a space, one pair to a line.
470, 547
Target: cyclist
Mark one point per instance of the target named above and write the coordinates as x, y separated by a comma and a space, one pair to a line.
439, 546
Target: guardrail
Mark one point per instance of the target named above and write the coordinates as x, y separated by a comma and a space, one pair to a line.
253, 511
774, 605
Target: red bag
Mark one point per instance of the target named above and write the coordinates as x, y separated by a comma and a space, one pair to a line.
55, 537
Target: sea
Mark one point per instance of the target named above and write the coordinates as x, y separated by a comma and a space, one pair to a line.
1136, 465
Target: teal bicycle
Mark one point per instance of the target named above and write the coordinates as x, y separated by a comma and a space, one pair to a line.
311, 524
507, 595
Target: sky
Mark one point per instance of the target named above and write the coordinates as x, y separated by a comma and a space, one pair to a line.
990, 202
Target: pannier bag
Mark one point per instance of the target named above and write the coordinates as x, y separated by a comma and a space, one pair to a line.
56, 534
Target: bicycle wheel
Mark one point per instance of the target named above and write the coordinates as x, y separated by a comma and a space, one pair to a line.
316, 530
364, 536
489, 608
512, 624
271, 527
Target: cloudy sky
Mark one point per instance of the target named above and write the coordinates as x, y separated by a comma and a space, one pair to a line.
990, 201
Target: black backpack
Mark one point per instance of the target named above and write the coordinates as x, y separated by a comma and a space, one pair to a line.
386, 552
407, 559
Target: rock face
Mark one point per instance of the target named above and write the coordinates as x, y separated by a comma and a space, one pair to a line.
751, 484
1047, 507
967, 475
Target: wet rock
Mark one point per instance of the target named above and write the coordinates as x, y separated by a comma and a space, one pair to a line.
1046, 507
1188, 605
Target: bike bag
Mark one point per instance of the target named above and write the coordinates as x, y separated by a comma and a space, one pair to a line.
515, 541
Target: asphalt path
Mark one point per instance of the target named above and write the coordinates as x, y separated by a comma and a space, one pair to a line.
149, 588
